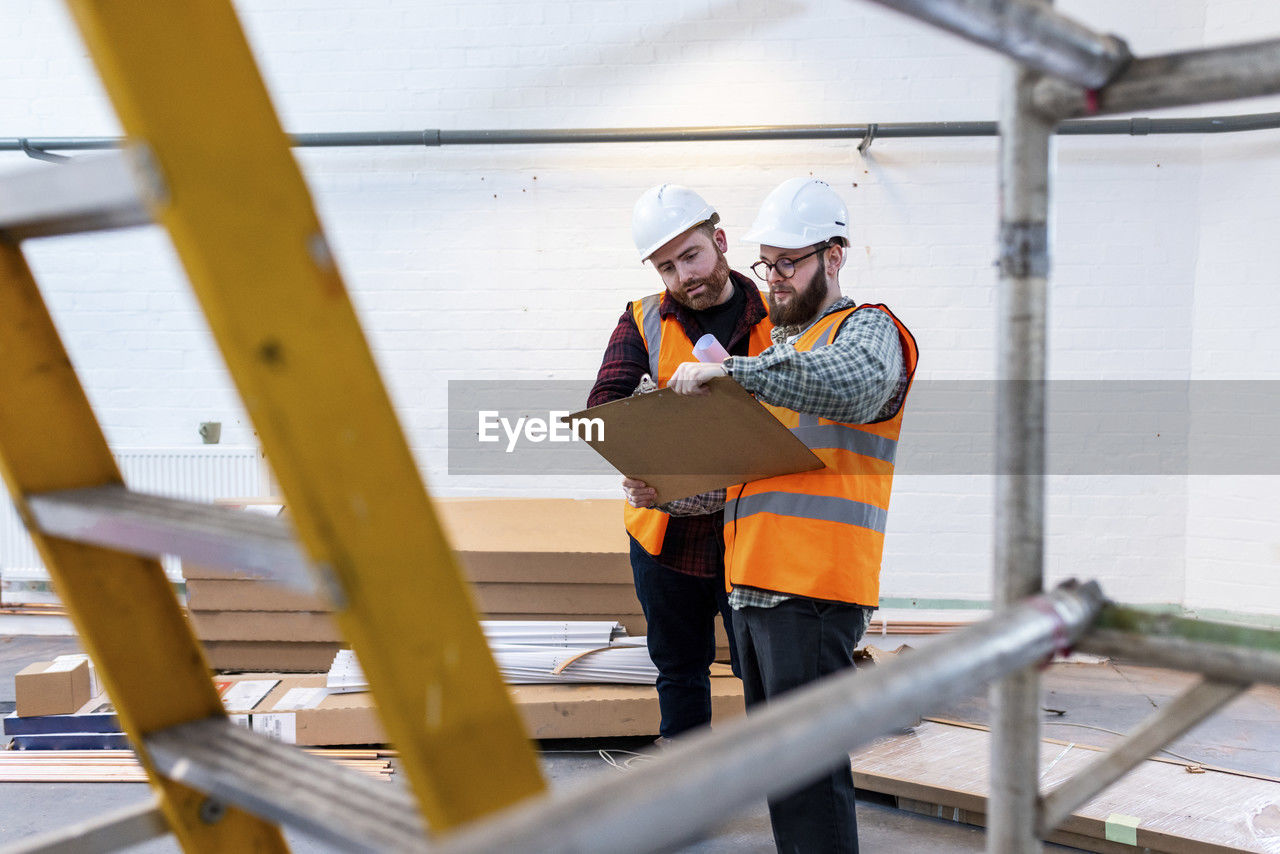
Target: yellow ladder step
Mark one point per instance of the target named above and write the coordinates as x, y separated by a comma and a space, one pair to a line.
84, 194
280, 783
116, 517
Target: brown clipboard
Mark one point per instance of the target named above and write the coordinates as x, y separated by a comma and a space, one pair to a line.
684, 445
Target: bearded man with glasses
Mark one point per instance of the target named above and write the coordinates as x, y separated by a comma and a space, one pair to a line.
803, 551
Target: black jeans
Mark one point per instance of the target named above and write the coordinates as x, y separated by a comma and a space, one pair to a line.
680, 610
780, 648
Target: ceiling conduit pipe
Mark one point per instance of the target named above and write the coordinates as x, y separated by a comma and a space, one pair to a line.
434, 138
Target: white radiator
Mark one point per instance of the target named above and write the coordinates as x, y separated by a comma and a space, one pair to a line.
199, 473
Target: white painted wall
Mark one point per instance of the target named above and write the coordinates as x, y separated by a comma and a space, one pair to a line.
514, 262
1233, 522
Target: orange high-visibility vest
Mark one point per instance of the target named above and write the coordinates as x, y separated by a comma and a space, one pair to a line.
820, 534
669, 347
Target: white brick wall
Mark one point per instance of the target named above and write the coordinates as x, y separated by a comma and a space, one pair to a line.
514, 261
1233, 529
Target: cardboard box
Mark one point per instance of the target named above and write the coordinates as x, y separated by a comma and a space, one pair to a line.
52, 687
95, 688
600, 711
299, 711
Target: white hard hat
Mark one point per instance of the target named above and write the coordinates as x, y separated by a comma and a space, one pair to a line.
665, 212
800, 212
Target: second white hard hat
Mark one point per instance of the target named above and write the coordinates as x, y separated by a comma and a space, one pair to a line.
800, 212
664, 212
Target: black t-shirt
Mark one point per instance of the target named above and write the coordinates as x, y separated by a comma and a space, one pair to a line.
721, 320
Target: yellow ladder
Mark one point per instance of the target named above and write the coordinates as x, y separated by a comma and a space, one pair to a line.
207, 159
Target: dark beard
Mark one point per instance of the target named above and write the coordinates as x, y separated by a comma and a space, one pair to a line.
804, 306
714, 286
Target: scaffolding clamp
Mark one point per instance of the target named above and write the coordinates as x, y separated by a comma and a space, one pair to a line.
39, 153
1061, 632
868, 138
1024, 249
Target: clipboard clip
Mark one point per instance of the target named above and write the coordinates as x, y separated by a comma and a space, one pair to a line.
646, 385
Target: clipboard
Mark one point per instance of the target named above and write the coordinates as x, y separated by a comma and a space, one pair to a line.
684, 445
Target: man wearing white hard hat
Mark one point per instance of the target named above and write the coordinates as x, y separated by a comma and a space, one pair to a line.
678, 563
802, 551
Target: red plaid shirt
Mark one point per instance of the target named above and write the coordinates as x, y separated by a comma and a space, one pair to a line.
693, 545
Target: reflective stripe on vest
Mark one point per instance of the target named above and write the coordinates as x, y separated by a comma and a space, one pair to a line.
823, 436
668, 347
825, 508
821, 534
651, 327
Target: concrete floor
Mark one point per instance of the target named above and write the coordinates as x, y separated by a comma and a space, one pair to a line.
1079, 698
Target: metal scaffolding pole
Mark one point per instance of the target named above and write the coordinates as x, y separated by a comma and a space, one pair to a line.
1030, 32
1020, 414
1211, 659
1219, 650
1171, 80
709, 775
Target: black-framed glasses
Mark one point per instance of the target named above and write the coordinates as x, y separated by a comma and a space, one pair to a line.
786, 267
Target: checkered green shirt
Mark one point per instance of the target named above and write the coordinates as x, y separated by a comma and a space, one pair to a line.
860, 377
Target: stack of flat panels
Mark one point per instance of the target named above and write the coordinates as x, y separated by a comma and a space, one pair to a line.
526, 558
542, 652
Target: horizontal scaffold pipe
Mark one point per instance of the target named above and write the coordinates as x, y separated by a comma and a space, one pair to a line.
1030, 32
1171, 80
556, 136
1217, 650
690, 789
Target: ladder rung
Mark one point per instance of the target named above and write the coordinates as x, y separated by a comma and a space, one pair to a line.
118, 518
85, 194
280, 783
121, 829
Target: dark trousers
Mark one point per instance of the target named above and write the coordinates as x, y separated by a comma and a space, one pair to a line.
680, 610
780, 648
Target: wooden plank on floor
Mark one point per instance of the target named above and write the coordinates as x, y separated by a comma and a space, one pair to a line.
1186, 813
121, 766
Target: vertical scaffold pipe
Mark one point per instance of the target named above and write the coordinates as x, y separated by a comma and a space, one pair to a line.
1020, 415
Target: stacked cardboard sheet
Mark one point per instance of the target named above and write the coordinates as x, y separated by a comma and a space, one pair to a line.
526, 559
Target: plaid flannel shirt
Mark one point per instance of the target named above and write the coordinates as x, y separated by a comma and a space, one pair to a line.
694, 544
